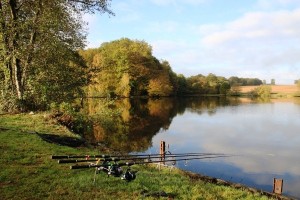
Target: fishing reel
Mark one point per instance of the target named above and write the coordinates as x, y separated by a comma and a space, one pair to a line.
117, 171
114, 171
128, 175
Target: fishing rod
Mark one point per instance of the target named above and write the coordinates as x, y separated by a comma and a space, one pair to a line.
115, 169
143, 162
111, 166
131, 155
163, 156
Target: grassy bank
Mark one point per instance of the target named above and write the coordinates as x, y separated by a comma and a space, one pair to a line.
27, 172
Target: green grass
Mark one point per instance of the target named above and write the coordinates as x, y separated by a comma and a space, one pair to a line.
27, 172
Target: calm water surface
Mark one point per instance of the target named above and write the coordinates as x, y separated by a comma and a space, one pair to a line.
264, 136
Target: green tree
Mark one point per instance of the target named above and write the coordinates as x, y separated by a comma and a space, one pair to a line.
234, 81
160, 85
127, 67
272, 81
262, 91
34, 34
224, 87
182, 87
122, 67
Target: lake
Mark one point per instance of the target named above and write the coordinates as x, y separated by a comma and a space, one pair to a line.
263, 135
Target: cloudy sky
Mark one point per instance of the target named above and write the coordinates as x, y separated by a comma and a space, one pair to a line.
245, 38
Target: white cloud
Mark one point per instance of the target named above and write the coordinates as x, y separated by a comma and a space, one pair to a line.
274, 26
267, 4
258, 43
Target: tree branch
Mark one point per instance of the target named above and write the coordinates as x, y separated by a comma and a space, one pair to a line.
92, 6
31, 43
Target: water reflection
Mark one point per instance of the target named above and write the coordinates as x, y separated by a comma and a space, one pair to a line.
128, 125
264, 134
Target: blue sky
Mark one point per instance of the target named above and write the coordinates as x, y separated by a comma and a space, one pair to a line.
245, 38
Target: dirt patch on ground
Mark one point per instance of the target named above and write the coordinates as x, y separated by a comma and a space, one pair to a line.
65, 141
3, 129
283, 89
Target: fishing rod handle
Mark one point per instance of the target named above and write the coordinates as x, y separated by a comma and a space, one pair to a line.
75, 161
80, 156
88, 160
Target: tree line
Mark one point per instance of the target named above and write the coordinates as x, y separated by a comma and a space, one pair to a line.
42, 60
127, 67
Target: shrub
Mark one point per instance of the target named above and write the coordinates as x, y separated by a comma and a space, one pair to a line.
262, 91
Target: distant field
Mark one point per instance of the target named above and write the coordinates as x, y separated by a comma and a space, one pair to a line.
282, 89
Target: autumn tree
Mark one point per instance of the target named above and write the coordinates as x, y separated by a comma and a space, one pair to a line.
162, 81
182, 87
262, 91
38, 44
126, 68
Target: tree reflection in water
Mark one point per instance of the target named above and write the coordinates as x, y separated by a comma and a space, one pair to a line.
129, 124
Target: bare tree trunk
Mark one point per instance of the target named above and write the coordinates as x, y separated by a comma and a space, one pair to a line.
16, 62
18, 78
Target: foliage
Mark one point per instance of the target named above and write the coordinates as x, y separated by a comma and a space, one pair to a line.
262, 91
162, 83
236, 81
224, 87
181, 85
127, 68
39, 40
210, 84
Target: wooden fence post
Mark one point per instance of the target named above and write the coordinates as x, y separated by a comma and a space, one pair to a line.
277, 186
162, 150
